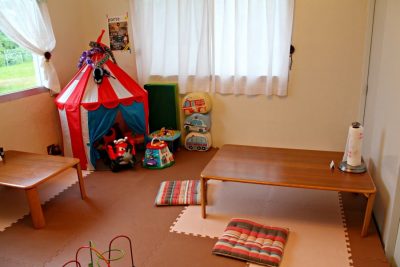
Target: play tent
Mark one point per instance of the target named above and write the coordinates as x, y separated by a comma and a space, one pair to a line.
88, 109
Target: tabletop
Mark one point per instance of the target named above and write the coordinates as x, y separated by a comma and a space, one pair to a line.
26, 170
285, 167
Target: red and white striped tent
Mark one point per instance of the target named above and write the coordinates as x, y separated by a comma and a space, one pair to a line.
88, 110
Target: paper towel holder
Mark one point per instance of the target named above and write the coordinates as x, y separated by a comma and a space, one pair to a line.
344, 167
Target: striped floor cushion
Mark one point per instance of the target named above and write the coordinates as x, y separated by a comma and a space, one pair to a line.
253, 242
185, 192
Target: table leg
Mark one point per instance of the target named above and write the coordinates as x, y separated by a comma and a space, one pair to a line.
35, 207
368, 213
80, 179
203, 196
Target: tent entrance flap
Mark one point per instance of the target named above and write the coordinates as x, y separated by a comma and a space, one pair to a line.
134, 117
101, 120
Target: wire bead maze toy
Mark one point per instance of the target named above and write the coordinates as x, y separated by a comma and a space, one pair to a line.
101, 255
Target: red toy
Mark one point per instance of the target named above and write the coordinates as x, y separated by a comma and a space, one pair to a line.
121, 153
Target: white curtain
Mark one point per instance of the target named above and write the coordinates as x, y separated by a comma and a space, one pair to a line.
172, 40
251, 46
27, 23
224, 46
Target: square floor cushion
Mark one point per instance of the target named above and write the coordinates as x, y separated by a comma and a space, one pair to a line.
253, 242
186, 192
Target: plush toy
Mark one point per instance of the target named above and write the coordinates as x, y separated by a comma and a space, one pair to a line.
96, 57
198, 141
121, 153
197, 123
197, 102
99, 73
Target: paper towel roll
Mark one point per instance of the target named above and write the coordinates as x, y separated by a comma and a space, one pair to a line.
352, 152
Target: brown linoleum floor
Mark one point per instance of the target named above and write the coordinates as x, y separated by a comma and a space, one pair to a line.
123, 203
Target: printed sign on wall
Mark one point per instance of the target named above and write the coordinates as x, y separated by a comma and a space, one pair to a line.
118, 30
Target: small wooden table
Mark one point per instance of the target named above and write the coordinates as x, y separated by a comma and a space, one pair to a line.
286, 167
27, 170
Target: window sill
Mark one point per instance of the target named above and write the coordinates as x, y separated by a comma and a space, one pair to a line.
22, 94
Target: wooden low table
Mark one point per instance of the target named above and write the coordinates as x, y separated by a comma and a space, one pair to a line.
27, 170
286, 167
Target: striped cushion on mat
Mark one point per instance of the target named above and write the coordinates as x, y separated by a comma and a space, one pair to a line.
185, 192
253, 242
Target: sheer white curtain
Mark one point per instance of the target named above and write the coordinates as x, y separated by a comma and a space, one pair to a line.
226, 46
27, 23
171, 40
251, 46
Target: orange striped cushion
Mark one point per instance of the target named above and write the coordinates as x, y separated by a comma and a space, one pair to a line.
185, 192
253, 242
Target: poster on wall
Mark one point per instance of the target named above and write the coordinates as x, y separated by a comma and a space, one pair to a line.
118, 31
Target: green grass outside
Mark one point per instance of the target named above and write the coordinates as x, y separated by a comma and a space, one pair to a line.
17, 77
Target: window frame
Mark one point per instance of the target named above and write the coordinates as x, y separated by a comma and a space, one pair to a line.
22, 94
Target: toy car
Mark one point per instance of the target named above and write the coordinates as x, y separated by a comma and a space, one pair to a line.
122, 154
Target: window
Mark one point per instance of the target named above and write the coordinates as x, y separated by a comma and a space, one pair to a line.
27, 22
226, 46
17, 67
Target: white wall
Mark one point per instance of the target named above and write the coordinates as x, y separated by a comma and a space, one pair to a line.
382, 123
324, 89
29, 124
67, 19
99, 10
75, 24
325, 83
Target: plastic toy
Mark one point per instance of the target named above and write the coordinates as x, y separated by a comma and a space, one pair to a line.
198, 141
101, 256
196, 103
157, 155
121, 153
172, 137
197, 123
